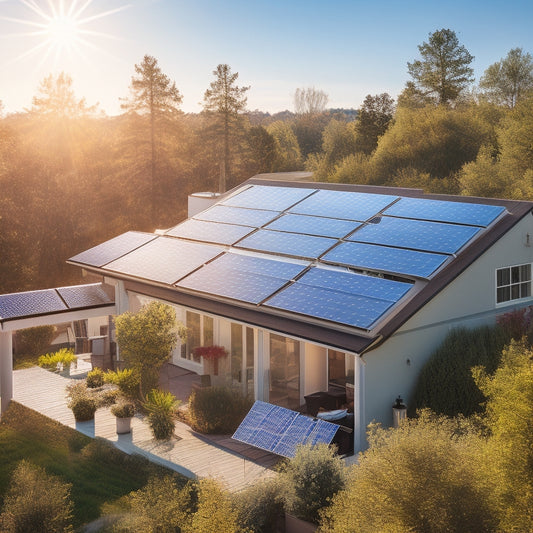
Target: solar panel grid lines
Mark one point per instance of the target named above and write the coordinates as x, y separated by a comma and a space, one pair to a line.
212, 232
254, 218
84, 296
268, 197
313, 225
30, 303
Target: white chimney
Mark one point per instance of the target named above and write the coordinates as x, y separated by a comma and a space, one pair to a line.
200, 201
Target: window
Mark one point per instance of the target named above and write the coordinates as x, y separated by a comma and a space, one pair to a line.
513, 283
199, 333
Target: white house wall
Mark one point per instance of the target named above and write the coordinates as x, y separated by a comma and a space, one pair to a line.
315, 368
468, 301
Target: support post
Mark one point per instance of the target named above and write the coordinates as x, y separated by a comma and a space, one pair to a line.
6, 370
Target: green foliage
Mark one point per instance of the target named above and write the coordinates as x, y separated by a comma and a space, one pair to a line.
95, 378
123, 409
36, 501
288, 154
146, 339
83, 408
35, 341
311, 479
260, 506
161, 407
127, 381
374, 118
425, 477
217, 409
445, 383
60, 360
509, 417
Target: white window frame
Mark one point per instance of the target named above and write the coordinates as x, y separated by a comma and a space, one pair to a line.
512, 284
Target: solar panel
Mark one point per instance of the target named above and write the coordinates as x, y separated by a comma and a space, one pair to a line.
385, 259
343, 204
113, 249
274, 198
445, 211
200, 230
327, 304
416, 234
254, 218
280, 431
31, 303
85, 296
357, 284
280, 242
320, 226
166, 259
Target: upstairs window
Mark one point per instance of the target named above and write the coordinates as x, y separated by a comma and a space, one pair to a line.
513, 283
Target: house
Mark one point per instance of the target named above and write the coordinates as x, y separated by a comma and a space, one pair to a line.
311, 286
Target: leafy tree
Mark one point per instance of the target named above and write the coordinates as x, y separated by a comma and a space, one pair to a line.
36, 501
223, 101
310, 101
288, 155
261, 149
443, 70
509, 460
424, 476
155, 95
145, 340
374, 118
355, 168
509, 80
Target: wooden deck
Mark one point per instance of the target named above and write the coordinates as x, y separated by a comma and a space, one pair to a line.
234, 464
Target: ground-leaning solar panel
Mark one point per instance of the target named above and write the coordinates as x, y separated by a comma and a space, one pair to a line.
113, 249
343, 204
254, 218
281, 431
384, 259
203, 231
282, 242
319, 226
416, 234
445, 211
165, 260
274, 198
23, 304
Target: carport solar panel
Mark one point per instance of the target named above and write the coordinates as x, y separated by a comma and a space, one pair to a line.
416, 234
84, 296
274, 198
319, 226
254, 218
385, 259
445, 211
217, 233
24, 304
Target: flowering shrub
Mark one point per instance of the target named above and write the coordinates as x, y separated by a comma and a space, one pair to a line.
210, 352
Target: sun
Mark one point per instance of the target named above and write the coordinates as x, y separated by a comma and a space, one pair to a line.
63, 30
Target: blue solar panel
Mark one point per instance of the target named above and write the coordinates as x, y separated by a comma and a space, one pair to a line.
385, 259
320, 226
166, 259
444, 211
279, 430
254, 218
326, 304
23, 304
200, 230
85, 296
343, 204
113, 249
416, 234
280, 242
357, 284
274, 198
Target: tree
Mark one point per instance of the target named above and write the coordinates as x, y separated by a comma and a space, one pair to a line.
155, 95
145, 340
224, 100
262, 150
374, 118
444, 69
310, 101
288, 155
509, 80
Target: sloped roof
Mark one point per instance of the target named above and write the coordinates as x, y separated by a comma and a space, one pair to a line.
339, 264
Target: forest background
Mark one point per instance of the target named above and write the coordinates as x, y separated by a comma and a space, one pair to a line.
72, 177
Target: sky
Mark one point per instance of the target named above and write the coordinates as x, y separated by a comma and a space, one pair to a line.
347, 48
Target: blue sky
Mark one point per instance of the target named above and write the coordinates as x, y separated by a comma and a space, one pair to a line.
347, 48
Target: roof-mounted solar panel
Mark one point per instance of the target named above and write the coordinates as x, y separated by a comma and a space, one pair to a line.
273, 198
254, 218
385, 259
217, 233
416, 234
309, 225
446, 211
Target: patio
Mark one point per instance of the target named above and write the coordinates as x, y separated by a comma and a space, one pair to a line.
235, 464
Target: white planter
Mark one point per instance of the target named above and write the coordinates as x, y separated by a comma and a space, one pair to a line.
123, 425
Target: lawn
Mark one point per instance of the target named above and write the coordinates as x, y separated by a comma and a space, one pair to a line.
98, 472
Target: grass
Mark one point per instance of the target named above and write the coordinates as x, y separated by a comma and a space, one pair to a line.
99, 472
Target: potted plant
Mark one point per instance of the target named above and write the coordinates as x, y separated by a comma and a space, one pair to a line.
124, 412
82, 403
211, 353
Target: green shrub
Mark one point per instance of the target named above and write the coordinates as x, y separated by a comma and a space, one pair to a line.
123, 410
106, 397
36, 501
35, 341
161, 407
59, 360
95, 378
311, 479
217, 409
445, 384
126, 380
81, 401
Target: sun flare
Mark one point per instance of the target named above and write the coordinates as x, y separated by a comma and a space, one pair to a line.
63, 30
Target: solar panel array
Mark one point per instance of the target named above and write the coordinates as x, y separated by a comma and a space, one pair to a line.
312, 252
280, 431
